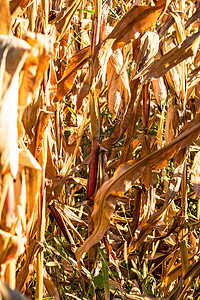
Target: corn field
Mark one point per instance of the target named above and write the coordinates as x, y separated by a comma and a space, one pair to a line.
99, 149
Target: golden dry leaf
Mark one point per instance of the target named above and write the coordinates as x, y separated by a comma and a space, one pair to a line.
52, 83
29, 118
75, 63
33, 71
126, 119
118, 84
63, 20
18, 217
123, 179
33, 174
148, 49
11, 247
160, 91
180, 35
51, 168
172, 119
136, 21
5, 17
41, 129
195, 174
13, 53
173, 76
161, 66
23, 273
17, 7
65, 218
139, 19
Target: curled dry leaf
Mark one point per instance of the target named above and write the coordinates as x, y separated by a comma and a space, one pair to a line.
148, 49
118, 84
63, 20
41, 127
32, 74
172, 119
33, 71
136, 21
160, 91
161, 66
23, 214
173, 75
127, 118
20, 27
13, 53
76, 62
180, 36
123, 179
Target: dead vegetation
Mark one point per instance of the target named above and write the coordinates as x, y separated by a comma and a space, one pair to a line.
99, 149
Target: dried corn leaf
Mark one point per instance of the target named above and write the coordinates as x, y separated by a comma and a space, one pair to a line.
29, 118
33, 71
172, 118
148, 49
63, 20
22, 275
124, 177
50, 286
5, 17
41, 128
160, 91
17, 7
20, 27
161, 66
193, 18
118, 84
33, 176
156, 217
136, 21
11, 246
173, 76
76, 62
180, 35
126, 119
13, 53
139, 19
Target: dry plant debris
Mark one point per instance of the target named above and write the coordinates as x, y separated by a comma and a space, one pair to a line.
99, 149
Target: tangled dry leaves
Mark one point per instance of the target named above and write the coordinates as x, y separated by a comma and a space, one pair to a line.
99, 150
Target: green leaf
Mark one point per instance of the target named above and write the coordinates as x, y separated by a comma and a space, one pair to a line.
86, 11
71, 110
98, 281
105, 274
